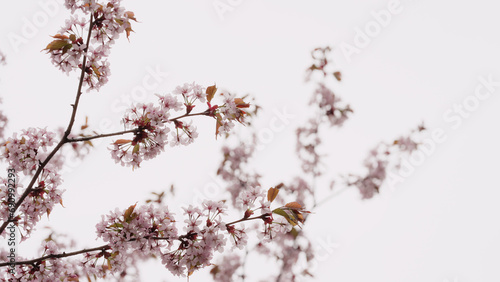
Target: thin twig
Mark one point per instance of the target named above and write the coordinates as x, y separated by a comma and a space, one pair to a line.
88, 138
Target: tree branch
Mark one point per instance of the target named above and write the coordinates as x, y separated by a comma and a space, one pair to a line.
106, 247
88, 138
64, 139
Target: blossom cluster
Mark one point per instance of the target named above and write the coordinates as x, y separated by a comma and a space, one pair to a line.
322, 64
26, 151
300, 189
41, 200
134, 233
248, 198
233, 170
150, 137
328, 109
204, 230
225, 270
108, 21
380, 159
308, 141
44, 271
328, 103
151, 123
295, 253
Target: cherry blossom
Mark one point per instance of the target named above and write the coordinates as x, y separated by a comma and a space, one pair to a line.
225, 270
108, 20
233, 170
151, 123
144, 231
149, 139
381, 159
3, 60
135, 232
26, 151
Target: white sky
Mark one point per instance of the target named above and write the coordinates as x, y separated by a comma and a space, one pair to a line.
439, 225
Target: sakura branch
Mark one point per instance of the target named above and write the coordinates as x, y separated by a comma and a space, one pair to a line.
184, 246
138, 233
17, 151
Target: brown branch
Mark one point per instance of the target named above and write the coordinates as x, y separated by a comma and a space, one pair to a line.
71, 140
56, 256
64, 254
249, 218
64, 139
135, 130
106, 247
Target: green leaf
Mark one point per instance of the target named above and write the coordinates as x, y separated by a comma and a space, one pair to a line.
57, 44
288, 215
116, 225
136, 149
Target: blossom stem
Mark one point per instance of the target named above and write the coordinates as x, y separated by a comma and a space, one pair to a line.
247, 219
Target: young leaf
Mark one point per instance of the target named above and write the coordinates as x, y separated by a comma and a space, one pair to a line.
136, 149
130, 15
293, 205
218, 124
240, 103
122, 141
272, 193
288, 215
211, 92
338, 75
60, 36
57, 44
128, 215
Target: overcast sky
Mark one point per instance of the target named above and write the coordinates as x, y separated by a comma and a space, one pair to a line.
403, 62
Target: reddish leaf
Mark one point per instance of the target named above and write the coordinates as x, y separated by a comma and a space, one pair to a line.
122, 141
240, 103
57, 44
211, 92
60, 36
293, 205
218, 123
128, 215
272, 193
128, 30
338, 75
130, 15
